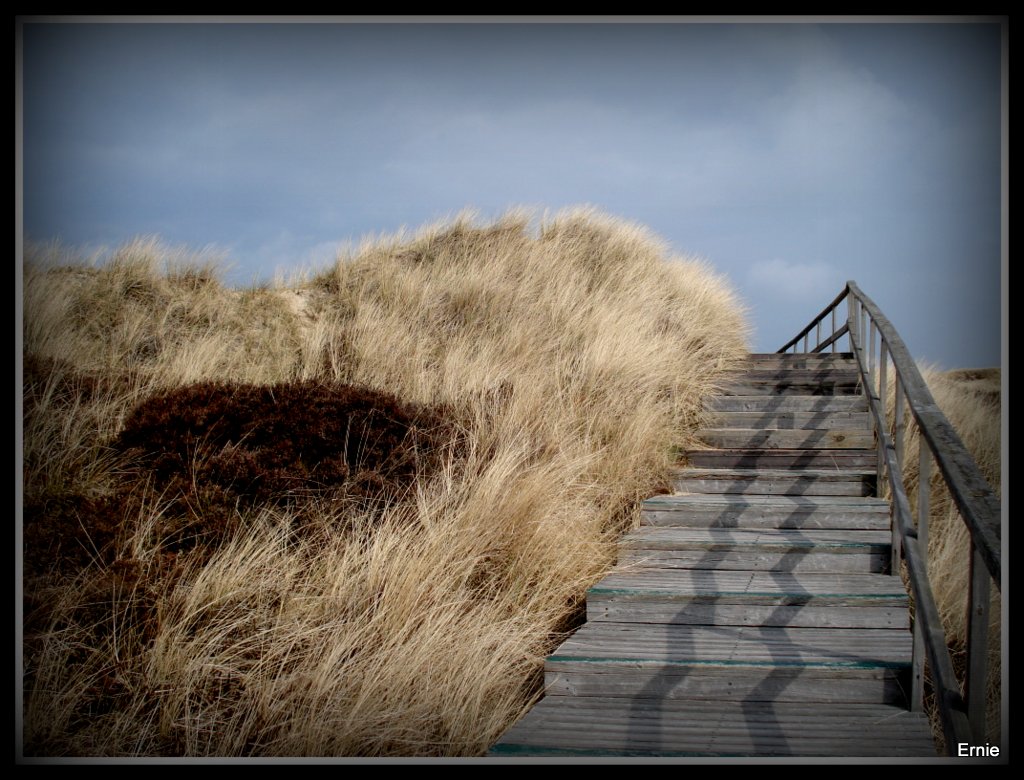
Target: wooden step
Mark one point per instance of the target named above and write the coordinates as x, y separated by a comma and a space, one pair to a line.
802, 376
792, 420
861, 460
801, 360
757, 549
773, 388
745, 438
755, 663
703, 597
612, 726
787, 482
779, 404
711, 510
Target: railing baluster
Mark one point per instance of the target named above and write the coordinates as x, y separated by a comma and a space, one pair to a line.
977, 644
882, 393
923, 496
924, 469
917, 666
872, 366
862, 332
817, 336
898, 423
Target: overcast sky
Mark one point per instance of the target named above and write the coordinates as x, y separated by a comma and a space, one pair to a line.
790, 156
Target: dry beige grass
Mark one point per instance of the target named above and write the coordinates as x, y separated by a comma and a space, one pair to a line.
573, 356
970, 399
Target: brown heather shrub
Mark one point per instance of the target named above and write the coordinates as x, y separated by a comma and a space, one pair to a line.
219, 450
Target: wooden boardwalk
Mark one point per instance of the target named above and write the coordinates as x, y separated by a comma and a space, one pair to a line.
753, 613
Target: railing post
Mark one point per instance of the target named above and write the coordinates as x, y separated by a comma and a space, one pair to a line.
977, 645
923, 493
882, 393
872, 368
818, 336
898, 424
852, 318
924, 472
862, 334
833, 327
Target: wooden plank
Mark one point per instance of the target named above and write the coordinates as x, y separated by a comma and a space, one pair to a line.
786, 439
782, 503
616, 726
757, 549
801, 359
771, 388
828, 375
861, 460
752, 558
761, 515
652, 680
776, 588
644, 608
844, 541
761, 646
787, 403
797, 420
804, 482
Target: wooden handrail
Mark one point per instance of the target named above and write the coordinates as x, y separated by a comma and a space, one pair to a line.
824, 313
962, 715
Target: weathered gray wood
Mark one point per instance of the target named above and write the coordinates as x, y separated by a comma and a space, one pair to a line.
786, 550
800, 359
715, 510
793, 420
631, 678
917, 675
955, 725
773, 388
975, 500
669, 645
786, 439
789, 539
759, 559
824, 313
741, 596
883, 390
623, 608
798, 482
924, 472
860, 460
756, 586
828, 375
608, 726
977, 645
788, 403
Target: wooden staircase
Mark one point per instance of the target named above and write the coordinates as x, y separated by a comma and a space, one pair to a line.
753, 613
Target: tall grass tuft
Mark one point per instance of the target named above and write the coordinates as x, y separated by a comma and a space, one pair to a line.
970, 399
567, 356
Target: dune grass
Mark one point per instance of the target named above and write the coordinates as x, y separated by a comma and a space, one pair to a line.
568, 356
970, 399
